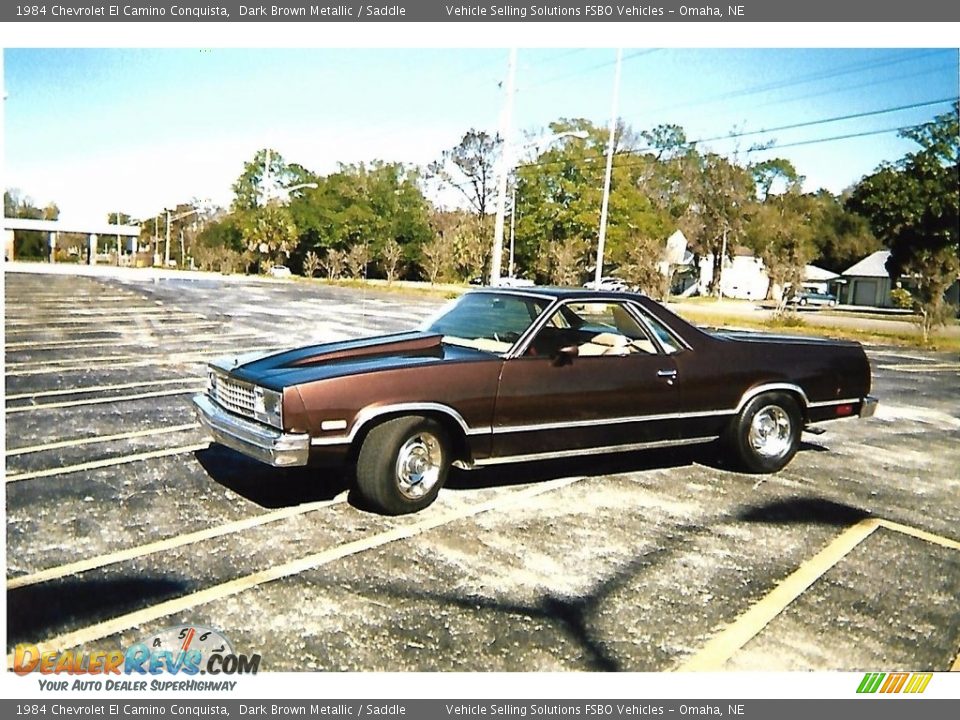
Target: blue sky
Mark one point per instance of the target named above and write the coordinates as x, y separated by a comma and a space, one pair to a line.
97, 129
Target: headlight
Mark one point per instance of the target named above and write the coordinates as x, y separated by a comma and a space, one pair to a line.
268, 407
211, 381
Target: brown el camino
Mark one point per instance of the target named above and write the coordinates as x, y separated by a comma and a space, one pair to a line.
506, 376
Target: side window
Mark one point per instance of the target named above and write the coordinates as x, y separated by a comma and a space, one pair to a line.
667, 340
595, 329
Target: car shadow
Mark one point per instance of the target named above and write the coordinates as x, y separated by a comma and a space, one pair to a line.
270, 487
589, 465
803, 510
40, 611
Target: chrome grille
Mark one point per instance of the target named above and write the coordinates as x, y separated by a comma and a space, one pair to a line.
233, 396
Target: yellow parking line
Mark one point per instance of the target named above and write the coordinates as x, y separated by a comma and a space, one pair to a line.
45, 344
107, 462
101, 400
71, 361
112, 366
170, 543
68, 313
116, 625
143, 361
921, 534
716, 652
40, 327
98, 388
923, 367
90, 319
101, 439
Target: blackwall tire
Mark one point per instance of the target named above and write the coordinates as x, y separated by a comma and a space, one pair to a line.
402, 464
765, 436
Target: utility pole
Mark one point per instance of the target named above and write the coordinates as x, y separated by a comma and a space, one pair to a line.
723, 260
513, 223
166, 249
602, 236
506, 166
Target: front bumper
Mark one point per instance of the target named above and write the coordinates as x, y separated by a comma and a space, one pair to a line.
869, 406
258, 441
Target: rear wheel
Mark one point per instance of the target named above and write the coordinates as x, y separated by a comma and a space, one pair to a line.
402, 464
765, 436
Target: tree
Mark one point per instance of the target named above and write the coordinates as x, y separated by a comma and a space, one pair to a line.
358, 257
642, 265
469, 169
437, 256
373, 203
842, 237
311, 264
471, 248
269, 235
723, 197
257, 183
390, 255
333, 261
559, 197
912, 206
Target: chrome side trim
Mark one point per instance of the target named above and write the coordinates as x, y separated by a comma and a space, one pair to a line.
767, 387
253, 439
608, 421
594, 451
828, 403
368, 414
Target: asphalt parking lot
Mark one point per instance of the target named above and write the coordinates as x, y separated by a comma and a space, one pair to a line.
122, 520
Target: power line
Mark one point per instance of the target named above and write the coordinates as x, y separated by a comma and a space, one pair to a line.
838, 118
591, 68
803, 79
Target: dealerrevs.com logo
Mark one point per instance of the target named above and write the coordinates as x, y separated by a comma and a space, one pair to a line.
889, 683
186, 650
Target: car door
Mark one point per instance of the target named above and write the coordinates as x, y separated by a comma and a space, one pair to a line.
587, 381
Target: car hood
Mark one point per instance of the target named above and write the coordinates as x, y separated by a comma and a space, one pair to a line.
338, 359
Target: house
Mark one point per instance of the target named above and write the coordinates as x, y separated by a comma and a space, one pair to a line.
816, 278
868, 282
744, 276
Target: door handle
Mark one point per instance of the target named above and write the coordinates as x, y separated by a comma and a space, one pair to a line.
667, 373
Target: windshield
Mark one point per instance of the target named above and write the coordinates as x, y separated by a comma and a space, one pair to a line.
487, 321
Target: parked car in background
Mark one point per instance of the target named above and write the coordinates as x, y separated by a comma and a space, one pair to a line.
513, 375
609, 284
280, 271
514, 282
813, 298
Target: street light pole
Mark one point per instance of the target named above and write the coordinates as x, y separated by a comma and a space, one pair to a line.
604, 206
166, 251
506, 162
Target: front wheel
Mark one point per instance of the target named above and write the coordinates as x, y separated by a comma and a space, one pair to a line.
765, 436
402, 464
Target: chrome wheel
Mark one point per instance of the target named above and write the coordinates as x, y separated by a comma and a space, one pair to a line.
419, 464
771, 433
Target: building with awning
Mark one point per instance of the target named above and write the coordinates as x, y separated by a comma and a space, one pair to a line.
93, 231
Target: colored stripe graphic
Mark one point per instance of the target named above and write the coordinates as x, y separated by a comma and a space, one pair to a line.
870, 682
894, 683
918, 683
